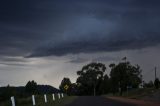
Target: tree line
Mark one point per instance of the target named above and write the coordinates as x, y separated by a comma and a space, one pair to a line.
93, 80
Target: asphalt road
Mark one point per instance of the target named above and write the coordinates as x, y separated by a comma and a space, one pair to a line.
97, 101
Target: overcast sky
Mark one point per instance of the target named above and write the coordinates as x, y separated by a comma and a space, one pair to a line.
46, 40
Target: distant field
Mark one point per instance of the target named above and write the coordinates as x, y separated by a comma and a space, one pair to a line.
40, 101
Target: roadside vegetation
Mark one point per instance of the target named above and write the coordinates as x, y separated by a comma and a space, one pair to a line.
23, 95
139, 93
93, 80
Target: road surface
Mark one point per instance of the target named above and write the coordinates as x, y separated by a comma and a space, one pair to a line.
97, 101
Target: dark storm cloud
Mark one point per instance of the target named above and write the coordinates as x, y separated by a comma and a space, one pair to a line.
36, 28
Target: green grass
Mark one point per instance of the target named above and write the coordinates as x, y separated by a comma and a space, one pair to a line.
40, 101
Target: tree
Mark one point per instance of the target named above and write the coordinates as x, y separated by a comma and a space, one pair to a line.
104, 85
149, 84
124, 76
157, 83
90, 78
73, 89
31, 87
7, 92
65, 85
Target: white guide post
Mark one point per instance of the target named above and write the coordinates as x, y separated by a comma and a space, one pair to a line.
53, 97
62, 95
59, 96
13, 101
33, 100
45, 98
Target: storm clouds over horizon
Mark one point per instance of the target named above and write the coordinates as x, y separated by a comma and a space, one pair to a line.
74, 32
